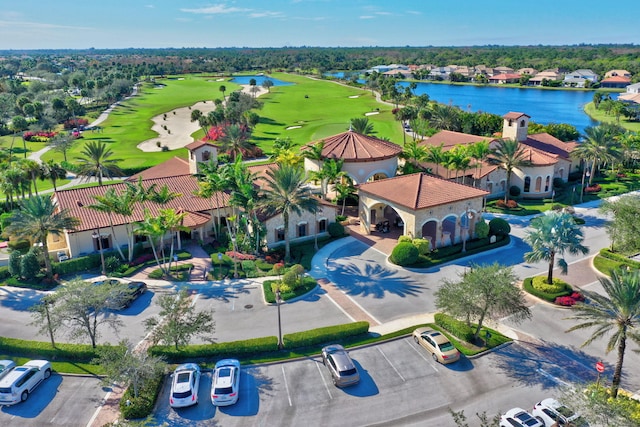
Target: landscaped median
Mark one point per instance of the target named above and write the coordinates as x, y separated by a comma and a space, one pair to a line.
559, 292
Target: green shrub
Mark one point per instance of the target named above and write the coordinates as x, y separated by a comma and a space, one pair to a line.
14, 263
539, 283
19, 245
249, 267
404, 238
335, 229
514, 191
206, 352
306, 284
77, 265
263, 265
29, 265
5, 219
44, 350
320, 336
141, 406
340, 218
4, 272
423, 246
481, 228
456, 327
499, 227
112, 263
404, 254
528, 286
559, 183
606, 253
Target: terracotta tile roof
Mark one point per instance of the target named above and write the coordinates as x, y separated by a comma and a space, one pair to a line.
354, 147
198, 144
420, 191
77, 200
450, 139
550, 144
512, 115
172, 167
538, 157
505, 76
616, 79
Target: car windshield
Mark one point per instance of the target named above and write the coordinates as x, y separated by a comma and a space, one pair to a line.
348, 372
183, 377
5, 390
446, 346
181, 394
223, 390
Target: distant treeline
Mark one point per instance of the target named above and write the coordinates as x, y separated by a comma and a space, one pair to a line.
599, 58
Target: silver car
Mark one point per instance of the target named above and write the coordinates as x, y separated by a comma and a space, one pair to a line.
343, 371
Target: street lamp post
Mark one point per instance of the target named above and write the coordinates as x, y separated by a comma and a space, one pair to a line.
465, 222
278, 301
315, 218
235, 261
587, 174
96, 235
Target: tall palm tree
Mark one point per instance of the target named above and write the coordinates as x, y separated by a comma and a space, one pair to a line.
344, 190
222, 89
509, 154
212, 182
235, 141
33, 170
413, 154
479, 151
436, 155
52, 171
595, 149
285, 193
162, 196
362, 125
155, 227
97, 161
108, 203
37, 217
550, 236
616, 314
458, 159
445, 117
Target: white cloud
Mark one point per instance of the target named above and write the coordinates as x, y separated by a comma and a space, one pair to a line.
216, 9
367, 17
266, 14
39, 25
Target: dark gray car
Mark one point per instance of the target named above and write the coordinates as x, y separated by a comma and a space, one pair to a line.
343, 370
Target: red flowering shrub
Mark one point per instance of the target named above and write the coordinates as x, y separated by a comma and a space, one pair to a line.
38, 136
240, 256
565, 301
215, 133
141, 259
74, 123
577, 296
510, 204
593, 188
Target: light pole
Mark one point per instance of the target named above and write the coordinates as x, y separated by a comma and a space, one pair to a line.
96, 235
280, 345
315, 218
465, 222
235, 261
586, 174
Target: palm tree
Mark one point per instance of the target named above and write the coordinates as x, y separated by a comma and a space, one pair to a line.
362, 125
551, 235
38, 217
222, 89
479, 151
616, 314
344, 190
413, 154
162, 196
33, 170
458, 159
436, 155
445, 117
235, 141
509, 154
52, 171
155, 227
285, 193
108, 203
212, 182
97, 162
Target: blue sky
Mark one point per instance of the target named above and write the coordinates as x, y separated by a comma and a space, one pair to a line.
42, 24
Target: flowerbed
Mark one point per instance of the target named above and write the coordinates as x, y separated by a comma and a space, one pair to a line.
510, 204
593, 188
569, 300
240, 256
38, 136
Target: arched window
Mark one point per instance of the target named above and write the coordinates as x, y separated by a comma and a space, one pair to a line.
279, 234
490, 187
302, 229
522, 123
527, 184
538, 184
561, 173
546, 183
206, 155
322, 226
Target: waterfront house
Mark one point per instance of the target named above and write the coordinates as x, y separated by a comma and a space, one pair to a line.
579, 78
615, 82
505, 78
617, 73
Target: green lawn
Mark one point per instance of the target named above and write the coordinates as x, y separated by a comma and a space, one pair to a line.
602, 116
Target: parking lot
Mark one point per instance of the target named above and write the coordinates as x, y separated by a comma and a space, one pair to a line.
394, 376
59, 400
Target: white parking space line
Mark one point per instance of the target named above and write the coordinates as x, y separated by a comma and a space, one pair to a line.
98, 409
389, 361
286, 386
421, 353
323, 381
326, 295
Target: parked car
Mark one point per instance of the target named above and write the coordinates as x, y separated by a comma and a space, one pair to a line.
19, 383
5, 367
184, 386
124, 295
518, 417
437, 344
550, 411
343, 371
225, 387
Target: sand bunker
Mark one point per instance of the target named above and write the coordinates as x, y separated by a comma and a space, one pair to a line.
372, 113
293, 127
354, 96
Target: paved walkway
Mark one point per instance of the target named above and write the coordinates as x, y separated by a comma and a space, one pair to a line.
200, 260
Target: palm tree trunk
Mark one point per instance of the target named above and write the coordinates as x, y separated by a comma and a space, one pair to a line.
115, 240
617, 373
287, 247
47, 261
550, 272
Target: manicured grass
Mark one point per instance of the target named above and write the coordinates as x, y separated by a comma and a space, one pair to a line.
322, 108
63, 367
602, 116
606, 265
130, 123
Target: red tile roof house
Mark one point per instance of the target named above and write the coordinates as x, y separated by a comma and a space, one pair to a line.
201, 212
617, 82
505, 78
549, 157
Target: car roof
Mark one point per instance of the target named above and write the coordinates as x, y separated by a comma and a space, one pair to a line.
187, 367
38, 363
333, 348
228, 362
7, 363
437, 336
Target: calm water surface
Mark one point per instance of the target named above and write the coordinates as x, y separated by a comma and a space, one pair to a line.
544, 106
244, 80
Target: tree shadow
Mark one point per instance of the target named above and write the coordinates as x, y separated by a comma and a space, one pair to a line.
20, 299
372, 279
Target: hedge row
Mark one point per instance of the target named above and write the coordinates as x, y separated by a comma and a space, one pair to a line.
141, 406
4, 272
37, 349
606, 253
527, 284
220, 350
75, 265
456, 327
324, 335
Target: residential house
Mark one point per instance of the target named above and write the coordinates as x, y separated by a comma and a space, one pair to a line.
530, 71
440, 73
617, 73
634, 88
504, 78
548, 75
579, 78
503, 70
615, 82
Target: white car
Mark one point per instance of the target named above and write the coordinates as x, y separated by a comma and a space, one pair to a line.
225, 386
550, 411
19, 383
184, 386
518, 417
5, 367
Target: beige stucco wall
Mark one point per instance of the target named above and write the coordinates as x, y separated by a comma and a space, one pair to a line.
360, 172
197, 156
518, 176
272, 224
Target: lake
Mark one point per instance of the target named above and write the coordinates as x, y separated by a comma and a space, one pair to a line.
543, 106
244, 80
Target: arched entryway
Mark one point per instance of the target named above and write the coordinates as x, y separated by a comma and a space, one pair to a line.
430, 232
384, 218
448, 237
